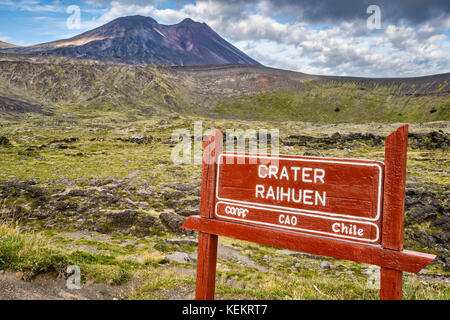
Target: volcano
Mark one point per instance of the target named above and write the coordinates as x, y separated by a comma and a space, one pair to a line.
6, 45
139, 40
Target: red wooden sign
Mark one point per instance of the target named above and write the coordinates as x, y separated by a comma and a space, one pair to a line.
330, 197
342, 208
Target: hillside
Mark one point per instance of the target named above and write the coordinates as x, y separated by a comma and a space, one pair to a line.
6, 45
86, 88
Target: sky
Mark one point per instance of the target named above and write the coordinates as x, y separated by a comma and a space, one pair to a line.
370, 38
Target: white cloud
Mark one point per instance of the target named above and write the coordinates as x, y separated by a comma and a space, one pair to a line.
5, 39
341, 48
348, 48
33, 6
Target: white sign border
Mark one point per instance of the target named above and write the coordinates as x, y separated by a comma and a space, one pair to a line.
331, 235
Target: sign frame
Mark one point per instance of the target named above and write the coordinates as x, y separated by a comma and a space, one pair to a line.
389, 255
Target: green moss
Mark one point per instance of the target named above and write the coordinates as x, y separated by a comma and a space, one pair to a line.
334, 102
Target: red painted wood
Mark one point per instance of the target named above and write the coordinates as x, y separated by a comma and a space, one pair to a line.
391, 282
394, 188
343, 229
212, 148
315, 192
206, 266
351, 187
405, 260
207, 243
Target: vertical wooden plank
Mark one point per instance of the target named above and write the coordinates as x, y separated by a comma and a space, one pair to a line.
391, 282
212, 148
394, 188
206, 266
207, 243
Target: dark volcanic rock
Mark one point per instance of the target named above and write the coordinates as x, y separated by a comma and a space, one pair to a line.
181, 187
66, 205
77, 193
423, 213
173, 222
429, 141
137, 139
442, 238
122, 219
4, 141
446, 264
65, 140
172, 195
442, 223
40, 215
426, 141
188, 212
424, 238
25, 186
336, 140
146, 221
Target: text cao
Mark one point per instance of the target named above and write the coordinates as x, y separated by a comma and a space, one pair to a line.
289, 194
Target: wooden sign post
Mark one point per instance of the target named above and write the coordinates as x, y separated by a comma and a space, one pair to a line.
341, 208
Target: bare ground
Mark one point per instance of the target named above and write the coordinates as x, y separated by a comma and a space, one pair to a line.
50, 287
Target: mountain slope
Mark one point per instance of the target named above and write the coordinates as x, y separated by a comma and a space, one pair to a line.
91, 89
141, 40
6, 45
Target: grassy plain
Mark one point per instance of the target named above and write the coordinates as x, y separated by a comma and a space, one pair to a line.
41, 149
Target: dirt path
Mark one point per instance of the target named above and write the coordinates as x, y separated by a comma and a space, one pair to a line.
49, 287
